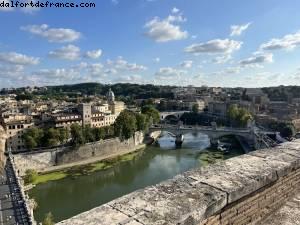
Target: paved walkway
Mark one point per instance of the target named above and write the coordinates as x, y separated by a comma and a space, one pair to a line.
7, 216
90, 160
289, 214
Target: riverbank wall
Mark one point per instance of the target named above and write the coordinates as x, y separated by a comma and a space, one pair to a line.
241, 190
67, 157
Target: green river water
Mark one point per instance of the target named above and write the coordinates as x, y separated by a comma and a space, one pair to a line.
68, 197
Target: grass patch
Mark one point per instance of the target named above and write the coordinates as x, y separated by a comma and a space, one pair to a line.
42, 178
76, 171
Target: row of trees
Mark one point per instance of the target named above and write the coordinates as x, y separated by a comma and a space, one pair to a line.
129, 122
238, 116
78, 135
81, 135
125, 126
37, 137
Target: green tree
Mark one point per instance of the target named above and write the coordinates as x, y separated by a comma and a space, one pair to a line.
151, 112
88, 134
51, 137
48, 220
288, 131
142, 122
195, 108
99, 133
30, 176
125, 125
238, 116
33, 137
77, 135
63, 135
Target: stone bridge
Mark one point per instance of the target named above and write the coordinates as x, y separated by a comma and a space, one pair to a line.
176, 115
242, 190
213, 133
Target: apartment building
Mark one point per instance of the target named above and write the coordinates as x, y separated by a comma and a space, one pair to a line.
15, 126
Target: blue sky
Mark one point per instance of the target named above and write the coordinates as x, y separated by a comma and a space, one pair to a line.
178, 42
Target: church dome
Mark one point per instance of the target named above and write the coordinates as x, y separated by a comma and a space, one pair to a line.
110, 96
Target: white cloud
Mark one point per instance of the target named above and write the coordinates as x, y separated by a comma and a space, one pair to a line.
53, 34
157, 60
187, 64
169, 73
175, 10
237, 30
94, 54
222, 59
18, 59
289, 42
216, 46
121, 64
164, 30
137, 79
257, 59
69, 52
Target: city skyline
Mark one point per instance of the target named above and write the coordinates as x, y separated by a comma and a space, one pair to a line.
152, 41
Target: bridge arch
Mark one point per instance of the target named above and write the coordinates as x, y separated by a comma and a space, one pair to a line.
176, 114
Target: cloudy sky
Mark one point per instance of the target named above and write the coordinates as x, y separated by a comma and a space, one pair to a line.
178, 42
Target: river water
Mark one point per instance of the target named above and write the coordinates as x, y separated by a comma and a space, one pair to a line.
68, 197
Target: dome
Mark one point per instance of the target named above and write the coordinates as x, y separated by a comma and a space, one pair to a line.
110, 96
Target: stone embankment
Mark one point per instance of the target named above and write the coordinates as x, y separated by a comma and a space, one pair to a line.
241, 190
67, 157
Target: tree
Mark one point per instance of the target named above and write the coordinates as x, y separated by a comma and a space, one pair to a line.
63, 135
88, 134
77, 135
288, 131
48, 220
99, 133
238, 116
30, 176
195, 108
125, 125
151, 112
33, 137
51, 137
142, 122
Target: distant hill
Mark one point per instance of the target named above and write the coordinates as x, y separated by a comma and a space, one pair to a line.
121, 89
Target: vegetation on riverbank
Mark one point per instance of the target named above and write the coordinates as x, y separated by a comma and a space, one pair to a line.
212, 155
76, 171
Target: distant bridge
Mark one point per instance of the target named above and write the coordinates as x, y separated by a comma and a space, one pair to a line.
251, 135
176, 114
212, 132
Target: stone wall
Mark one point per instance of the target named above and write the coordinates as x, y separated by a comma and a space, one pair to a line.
37, 161
99, 149
46, 159
241, 190
3, 137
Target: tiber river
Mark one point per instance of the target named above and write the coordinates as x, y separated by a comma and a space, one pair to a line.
68, 197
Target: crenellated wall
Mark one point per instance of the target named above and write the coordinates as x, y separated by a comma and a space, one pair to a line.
241, 190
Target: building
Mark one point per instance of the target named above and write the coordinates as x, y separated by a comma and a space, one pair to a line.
102, 113
217, 109
85, 109
15, 126
65, 120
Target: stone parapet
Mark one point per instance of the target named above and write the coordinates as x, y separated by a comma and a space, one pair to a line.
241, 190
